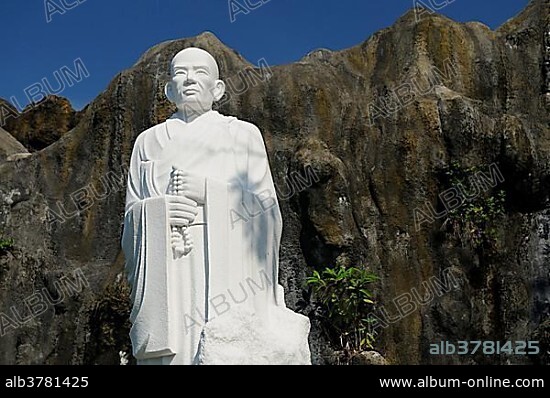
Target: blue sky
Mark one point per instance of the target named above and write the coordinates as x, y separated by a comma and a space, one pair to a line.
108, 36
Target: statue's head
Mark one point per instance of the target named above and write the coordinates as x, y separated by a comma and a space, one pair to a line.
195, 84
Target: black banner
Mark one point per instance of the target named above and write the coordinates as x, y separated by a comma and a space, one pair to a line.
80, 379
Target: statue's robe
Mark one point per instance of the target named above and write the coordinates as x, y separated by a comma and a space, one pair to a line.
198, 308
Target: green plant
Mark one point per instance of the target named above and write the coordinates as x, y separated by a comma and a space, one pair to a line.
346, 303
476, 220
6, 244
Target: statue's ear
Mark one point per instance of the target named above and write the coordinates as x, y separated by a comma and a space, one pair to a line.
168, 91
219, 90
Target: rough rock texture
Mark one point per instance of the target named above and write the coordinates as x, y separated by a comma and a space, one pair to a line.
376, 160
369, 358
241, 338
42, 124
9, 146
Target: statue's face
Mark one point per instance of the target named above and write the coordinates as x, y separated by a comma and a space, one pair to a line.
194, 84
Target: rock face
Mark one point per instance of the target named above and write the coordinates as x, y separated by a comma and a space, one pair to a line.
40, 125
9, 146
375, 126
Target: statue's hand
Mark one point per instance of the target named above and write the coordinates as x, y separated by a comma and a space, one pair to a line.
181, 210
190, 185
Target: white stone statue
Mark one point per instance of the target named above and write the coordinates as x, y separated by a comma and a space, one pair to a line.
201, 237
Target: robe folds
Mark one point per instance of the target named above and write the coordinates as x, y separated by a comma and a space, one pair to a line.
222, 302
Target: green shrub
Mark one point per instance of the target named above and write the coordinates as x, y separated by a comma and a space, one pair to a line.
6, 244
476, 220
346, 303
